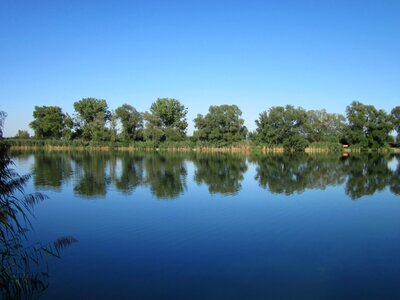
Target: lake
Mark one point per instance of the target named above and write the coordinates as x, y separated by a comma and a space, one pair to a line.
218, 226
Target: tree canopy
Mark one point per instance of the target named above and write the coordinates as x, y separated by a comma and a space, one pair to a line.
92, 115
395, 113
324, 127
292, 128
166, 120
132, 122
367, 127
48, 122
221, 125
22, 134
286, 126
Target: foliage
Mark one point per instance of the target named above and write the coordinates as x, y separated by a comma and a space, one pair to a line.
222, 125
166, 121
67, 132
92, 115
367, 126
286, 126
132, 123
48, 122
23, 270
289, 127
395, 113
324, 127
22, 134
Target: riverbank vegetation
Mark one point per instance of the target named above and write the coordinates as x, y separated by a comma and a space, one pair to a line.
164, 126
23, 266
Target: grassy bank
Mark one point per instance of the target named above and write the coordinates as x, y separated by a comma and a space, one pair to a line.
183, 146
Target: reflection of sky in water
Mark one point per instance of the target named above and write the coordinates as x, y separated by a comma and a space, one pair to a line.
277, 236
393, 164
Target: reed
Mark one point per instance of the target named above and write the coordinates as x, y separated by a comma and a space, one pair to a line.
180, 146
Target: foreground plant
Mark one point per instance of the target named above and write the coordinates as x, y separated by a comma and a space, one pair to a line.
23, 269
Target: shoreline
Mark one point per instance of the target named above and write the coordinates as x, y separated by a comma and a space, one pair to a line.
229, 149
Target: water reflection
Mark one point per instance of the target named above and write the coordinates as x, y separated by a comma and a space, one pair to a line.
90, 171
126, 171
51, 169
166, 174
289, 173
222, 173
368, 174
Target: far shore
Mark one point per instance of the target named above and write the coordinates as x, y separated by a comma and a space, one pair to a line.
244, 149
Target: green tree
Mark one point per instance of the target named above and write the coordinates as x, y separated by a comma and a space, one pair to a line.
113, 127
285, 126
48, 122
324, 126
367, 126
67, 132
92, 116
222, 125
132, 123
166, 121
396, 121
22, 134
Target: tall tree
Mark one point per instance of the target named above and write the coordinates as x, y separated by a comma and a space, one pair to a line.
367, 127
396, 121
221, 125
285, 126
132, 122
92, 115
48, 122
324, 126
166, 120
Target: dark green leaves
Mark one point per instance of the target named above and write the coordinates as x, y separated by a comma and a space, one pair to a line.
166, 121
222, 125
48, 122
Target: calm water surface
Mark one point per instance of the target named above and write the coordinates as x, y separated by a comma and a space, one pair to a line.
192, 226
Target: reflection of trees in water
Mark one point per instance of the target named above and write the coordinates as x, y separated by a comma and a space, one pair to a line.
126, 171
222, 173
289, 173
51, 169
367, 174
90, 170
395, 180
363, 174
165, 174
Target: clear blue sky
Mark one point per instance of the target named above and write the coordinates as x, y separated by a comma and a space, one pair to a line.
255, 54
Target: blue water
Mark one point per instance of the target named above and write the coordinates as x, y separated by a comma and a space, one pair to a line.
179, 229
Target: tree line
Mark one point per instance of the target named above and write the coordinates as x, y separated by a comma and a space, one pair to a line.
290, 127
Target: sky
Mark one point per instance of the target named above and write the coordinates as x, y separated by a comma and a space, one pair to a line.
255, 54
